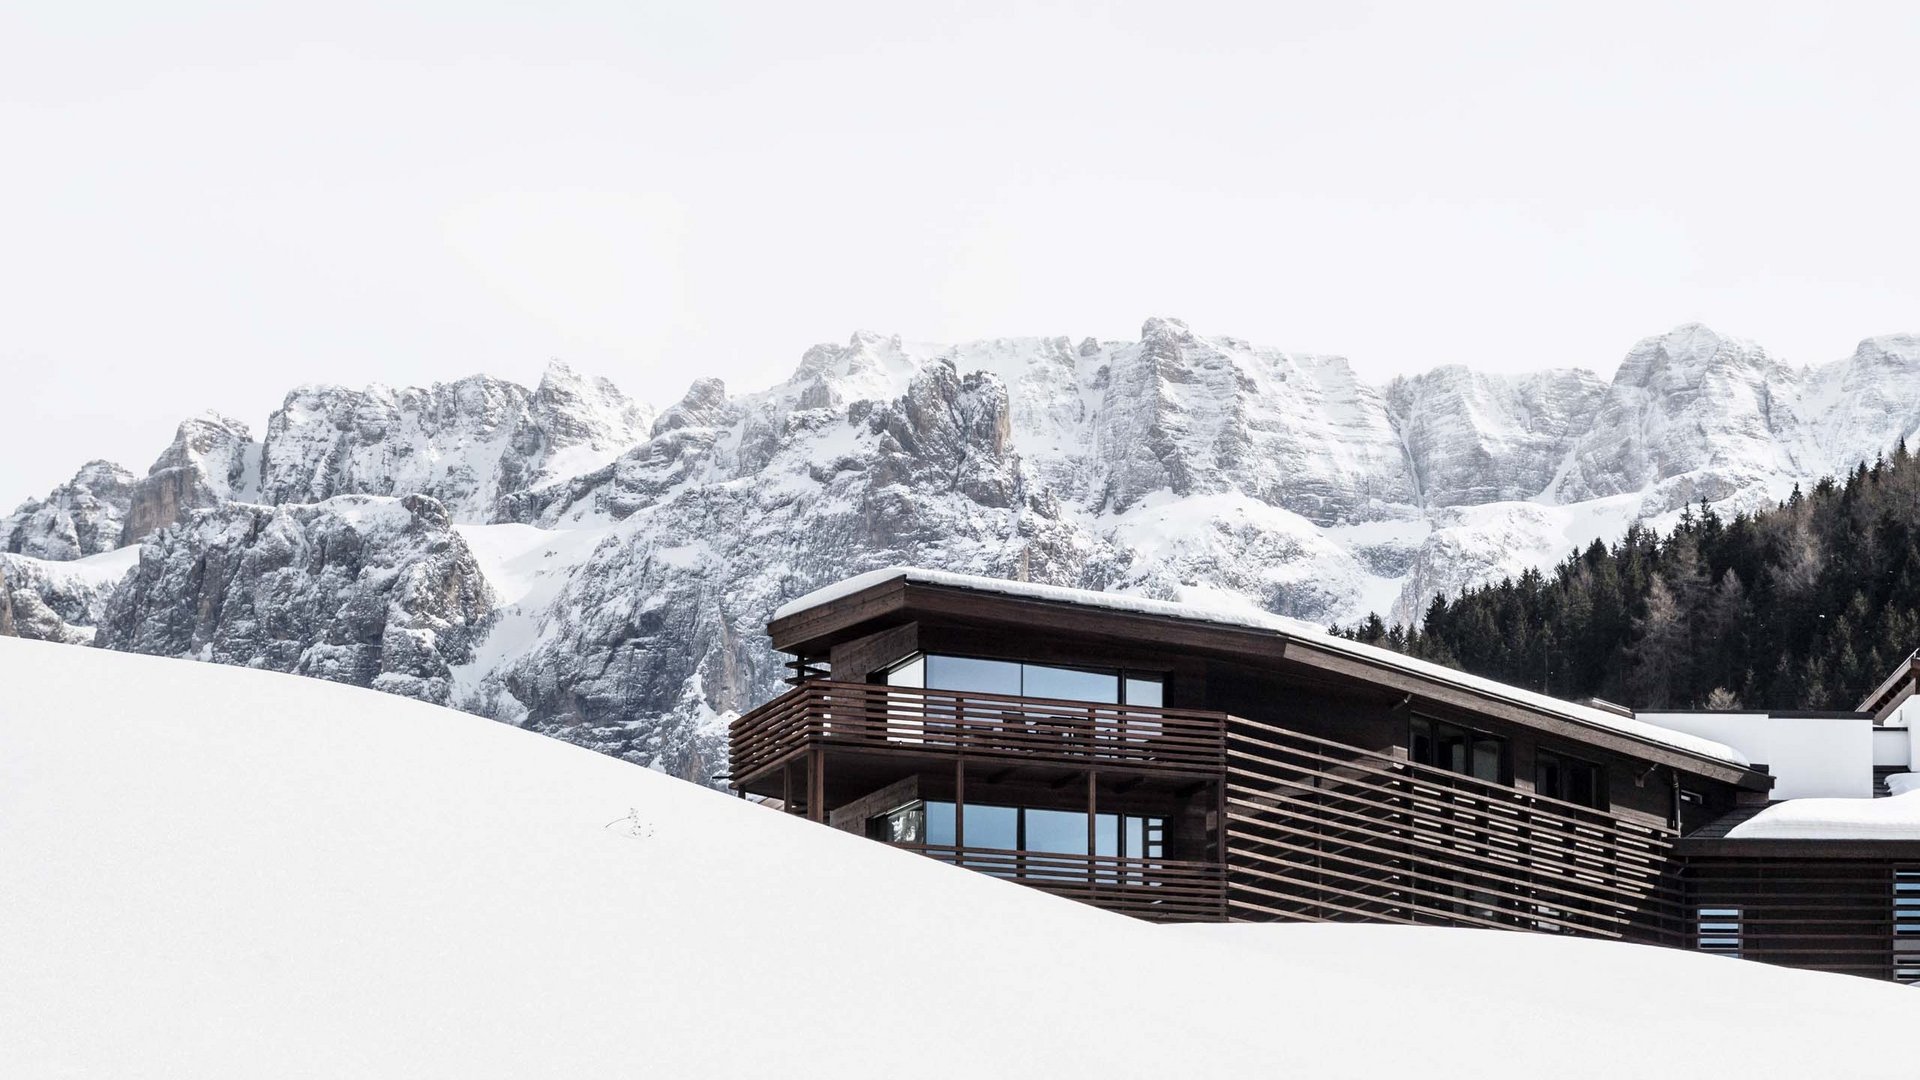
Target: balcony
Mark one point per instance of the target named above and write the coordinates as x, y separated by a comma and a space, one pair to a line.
1169, 890
863, 717
1320, 830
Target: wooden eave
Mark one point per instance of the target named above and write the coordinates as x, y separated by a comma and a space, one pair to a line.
1887, 696
813, 631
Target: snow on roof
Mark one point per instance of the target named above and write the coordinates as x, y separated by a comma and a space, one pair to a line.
1894, 818
1245, 615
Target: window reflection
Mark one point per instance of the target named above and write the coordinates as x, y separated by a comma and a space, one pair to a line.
1569, 779
993, 827
1455, 749
1015, 679
1039, 830
978, 676
1070, 684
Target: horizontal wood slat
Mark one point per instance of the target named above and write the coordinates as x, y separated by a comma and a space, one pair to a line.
869, 717
1170, 890
1317, 829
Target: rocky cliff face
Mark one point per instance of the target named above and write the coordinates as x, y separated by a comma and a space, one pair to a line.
466, 443
56, 601
1474, 438
79, 518
373, 592
211, 461
562, 559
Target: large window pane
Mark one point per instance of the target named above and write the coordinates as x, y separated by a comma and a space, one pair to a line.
976, 676
1072, 684
1106, 834
1548, 779
1420, 740
1145, 691
999, 827
1487, 754
1061, 832
1450, 748
940, 823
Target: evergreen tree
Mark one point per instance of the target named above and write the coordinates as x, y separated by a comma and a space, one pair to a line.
1806, 604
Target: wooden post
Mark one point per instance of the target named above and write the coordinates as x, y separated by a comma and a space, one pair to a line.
960, 808
786, 787
1093, 799
816, 786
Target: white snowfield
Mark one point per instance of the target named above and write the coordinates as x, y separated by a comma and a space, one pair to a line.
1233, 610
210, 871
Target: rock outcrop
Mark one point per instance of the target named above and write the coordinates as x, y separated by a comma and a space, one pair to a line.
368, 591
79, 518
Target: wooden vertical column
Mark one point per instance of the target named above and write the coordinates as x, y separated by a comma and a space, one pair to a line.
1220, 841
816, 786
1093, 801
960, 808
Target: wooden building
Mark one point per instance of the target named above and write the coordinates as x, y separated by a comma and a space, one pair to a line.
1179, 763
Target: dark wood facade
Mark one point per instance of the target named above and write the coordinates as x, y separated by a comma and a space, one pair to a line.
1281, 777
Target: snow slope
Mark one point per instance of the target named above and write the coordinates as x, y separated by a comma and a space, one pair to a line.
212, 871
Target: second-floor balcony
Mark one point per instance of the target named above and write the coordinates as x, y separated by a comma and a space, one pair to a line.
872, 717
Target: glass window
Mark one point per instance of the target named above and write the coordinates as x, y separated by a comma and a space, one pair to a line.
1148, 691
940, 823
1060, 832
912, 673
999, 827
1906, 926
1569, 779
1106, 834
1452, 745
1444, 746
1489, 754
1718, 930
1420, 740
903, 825
975, 676
1071, 684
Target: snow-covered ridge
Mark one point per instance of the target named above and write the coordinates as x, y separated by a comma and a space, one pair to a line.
221, 872
1241, 615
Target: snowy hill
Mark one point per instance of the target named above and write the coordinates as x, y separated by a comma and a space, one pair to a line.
212, 871
573, 563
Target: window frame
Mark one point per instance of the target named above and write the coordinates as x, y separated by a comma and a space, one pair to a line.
1602, 793
1122, 676
1470, 738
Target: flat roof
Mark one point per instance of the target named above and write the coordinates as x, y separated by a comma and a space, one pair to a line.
1253, 619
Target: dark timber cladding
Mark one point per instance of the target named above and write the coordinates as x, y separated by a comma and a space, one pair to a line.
1272, 775
1830, 905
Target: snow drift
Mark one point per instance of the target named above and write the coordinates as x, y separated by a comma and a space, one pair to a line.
212, 871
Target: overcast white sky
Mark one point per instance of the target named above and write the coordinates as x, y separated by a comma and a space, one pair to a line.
202, 205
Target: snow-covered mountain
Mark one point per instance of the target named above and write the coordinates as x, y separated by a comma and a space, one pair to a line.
222, 873
563, 559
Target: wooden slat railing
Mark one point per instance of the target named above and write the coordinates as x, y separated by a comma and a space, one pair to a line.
1173, 890
866, 716
1321, 830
